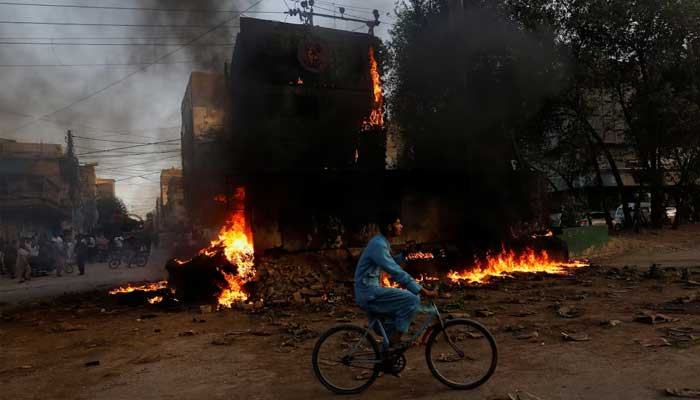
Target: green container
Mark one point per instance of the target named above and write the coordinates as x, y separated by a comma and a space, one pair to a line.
586, 237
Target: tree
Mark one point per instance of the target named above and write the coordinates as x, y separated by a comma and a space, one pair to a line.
644, 55
112, 214
462, 83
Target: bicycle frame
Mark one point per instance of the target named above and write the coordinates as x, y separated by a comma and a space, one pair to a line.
376, 325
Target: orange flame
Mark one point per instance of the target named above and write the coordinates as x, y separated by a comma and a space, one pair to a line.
419, 255
386, 282
237, 243
148, 287
155, 300
507, 262
549, 233
376, 116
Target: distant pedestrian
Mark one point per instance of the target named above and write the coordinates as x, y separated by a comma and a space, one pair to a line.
11, 257
24, 270
59, 255
81, 254
91, 248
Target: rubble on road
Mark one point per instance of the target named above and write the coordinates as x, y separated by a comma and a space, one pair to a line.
575, 337
520, 395
686, 393
309, 278
656, 342
569, 312
67, 327
646, 317
610, 323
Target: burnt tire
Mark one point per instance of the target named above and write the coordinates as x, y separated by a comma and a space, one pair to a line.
473, 330
372, 360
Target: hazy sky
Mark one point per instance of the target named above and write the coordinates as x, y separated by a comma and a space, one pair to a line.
48, 87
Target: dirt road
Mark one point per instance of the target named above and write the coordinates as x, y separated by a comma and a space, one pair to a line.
146, 353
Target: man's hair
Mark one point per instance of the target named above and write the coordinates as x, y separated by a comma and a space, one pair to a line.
387, 218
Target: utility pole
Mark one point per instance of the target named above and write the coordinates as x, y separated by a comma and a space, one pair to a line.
306, 15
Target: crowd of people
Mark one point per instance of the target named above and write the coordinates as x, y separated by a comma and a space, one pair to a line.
25, 258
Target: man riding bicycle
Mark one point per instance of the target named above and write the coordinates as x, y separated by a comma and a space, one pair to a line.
398, 304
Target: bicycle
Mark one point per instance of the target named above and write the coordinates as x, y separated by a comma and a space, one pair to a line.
449, 343
138, 258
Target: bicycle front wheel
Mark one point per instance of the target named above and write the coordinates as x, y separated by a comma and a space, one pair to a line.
463, 355
346, 359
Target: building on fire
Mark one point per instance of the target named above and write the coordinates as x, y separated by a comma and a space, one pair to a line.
298, 130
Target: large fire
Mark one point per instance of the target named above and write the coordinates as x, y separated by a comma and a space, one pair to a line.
376, 116
237, 243
508, 262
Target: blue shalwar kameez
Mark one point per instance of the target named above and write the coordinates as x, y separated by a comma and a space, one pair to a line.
399, 304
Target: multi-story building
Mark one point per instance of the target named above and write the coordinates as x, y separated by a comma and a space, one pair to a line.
105, 188
35, 189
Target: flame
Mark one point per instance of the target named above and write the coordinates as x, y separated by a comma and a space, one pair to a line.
237, 243
155, 300
149, 287
376, 116
419, 255
221, 198
549, 233
507, 262
386, 282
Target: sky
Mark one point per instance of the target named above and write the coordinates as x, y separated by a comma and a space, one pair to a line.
53, 75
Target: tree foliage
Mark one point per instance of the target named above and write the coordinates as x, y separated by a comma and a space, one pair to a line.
538, 72
112, 214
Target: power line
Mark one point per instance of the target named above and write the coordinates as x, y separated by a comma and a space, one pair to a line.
186, 10
139, 176
93, 157
137, 164
129, 75
114, 44
125, 25
126, 147
92, 38
113, 141
88, 65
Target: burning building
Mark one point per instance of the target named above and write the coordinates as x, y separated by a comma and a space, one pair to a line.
297, 125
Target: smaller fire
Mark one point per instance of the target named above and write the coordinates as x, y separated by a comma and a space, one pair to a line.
549, 233
376, 117
508, 262
155, 300
419, 255
386, 282
149, 287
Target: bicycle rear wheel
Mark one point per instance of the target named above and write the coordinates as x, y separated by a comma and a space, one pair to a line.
467, 359
346, 359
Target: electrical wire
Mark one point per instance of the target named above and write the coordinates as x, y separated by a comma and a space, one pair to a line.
126, 147
129, 75
87, 65
185, 10
114, 44
120, 25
